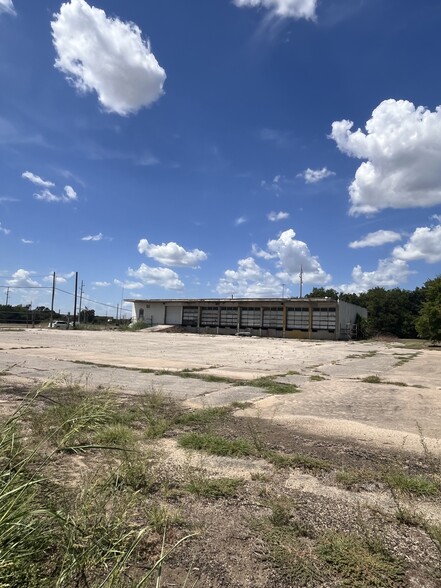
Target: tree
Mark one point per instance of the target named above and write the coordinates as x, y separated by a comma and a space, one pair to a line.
428, 324
323, 293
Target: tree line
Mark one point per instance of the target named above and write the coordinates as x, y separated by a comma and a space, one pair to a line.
400, 313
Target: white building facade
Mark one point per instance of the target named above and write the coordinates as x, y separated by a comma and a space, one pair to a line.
298, 318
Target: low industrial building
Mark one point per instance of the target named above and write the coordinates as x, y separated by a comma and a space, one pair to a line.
299, 318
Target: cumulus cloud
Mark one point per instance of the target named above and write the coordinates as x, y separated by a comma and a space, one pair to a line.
376, 239
277, 216
172, 254
36, 180
97, 237
27, 241
258, 252
108, 56
4, 230
240, 221
157, 276
69, 195
6, 6
249, 280
292, 255
312, 176
21, 279
390, 273
283, 8
401, 147
424, 243
101, 284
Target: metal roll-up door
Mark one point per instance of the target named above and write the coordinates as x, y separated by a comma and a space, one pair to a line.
173, 315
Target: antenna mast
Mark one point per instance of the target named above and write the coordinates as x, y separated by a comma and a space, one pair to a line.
301, 281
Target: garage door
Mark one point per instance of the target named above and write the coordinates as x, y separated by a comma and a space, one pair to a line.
173, 315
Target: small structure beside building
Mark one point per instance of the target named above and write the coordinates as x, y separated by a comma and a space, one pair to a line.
298, 318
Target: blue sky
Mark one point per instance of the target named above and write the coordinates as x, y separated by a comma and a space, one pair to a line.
213, 147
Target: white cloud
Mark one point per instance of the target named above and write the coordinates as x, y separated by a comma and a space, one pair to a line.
240, 221
376, 239
129, 285
390, 273
249, 280
69, 195
283, 8
258, 252
4, 230
21, 279
37, 180
101, 284
312, 176
157, 276
172, 254
277, 216
7, 7
108, 56
436, 217
97, 237
424, 243
27, 241
402, 149
293, 255
275, 185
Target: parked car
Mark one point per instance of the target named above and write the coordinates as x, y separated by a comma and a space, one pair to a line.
60, 325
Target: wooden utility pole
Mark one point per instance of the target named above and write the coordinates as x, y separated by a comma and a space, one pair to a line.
7, 295
81, 300
53, 297
75, 300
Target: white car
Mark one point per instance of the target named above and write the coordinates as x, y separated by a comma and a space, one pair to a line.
60, 325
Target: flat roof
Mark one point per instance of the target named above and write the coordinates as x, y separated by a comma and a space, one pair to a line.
195, 300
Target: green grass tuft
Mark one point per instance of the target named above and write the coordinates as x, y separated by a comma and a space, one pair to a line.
216, 445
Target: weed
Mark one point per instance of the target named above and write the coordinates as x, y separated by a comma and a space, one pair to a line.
135, 473
316, 378
272, 386
118, 435
350, 478
260, 477
213, 487
160, 517
372, 380
240, 405
205, 416
297, 460
360, 564
414, 485
362, 355
216, 445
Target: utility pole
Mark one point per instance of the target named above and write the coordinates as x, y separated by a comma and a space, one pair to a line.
53, 296
75, 300
7, 295
301, 281
283, 290
81, 299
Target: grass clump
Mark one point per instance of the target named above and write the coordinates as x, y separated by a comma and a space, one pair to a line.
216, 445
360, 563
213, 487
316, 378
117, 435
205, 416
297, 460
413, 485
351, 478
270, 385
372, 380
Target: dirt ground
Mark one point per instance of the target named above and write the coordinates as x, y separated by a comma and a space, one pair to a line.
321, 454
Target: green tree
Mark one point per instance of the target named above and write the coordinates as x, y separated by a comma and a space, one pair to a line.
428, 324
